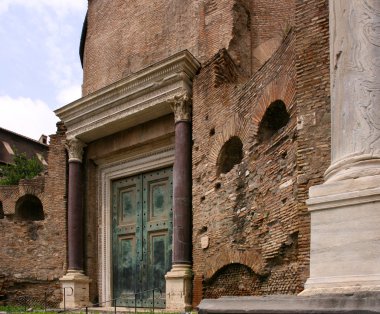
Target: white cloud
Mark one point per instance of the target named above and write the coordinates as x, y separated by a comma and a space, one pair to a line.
61, 7
69, 94
28, 117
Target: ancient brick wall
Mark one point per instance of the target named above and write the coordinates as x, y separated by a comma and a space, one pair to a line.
33, 249
271, 22
247, 215
313, 111
124, 37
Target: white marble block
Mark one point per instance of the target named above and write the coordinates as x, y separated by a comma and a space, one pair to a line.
178, 288
345, 236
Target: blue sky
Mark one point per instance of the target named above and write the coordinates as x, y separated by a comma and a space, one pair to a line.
39, 62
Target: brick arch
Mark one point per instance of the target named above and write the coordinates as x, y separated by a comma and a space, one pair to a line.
251, 258
29, 207
234, 126
282, 88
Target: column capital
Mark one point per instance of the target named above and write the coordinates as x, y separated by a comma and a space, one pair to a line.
75, 147
181, 106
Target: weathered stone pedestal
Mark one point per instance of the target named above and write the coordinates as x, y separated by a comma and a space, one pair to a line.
178, 288
345, 236
75, 287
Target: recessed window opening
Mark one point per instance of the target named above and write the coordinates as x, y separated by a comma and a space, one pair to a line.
1, 211
275, 117
230, 155
29, 207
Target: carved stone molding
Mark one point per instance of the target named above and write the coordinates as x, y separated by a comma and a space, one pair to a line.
75, 147
181, 106
140, 97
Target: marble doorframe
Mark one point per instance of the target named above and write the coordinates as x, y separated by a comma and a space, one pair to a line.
160, 158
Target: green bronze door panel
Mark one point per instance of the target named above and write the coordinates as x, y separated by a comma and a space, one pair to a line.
157, 231
142, 237
126, 226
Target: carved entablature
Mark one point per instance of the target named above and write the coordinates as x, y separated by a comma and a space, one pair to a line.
181, 106
74, 148
140, 97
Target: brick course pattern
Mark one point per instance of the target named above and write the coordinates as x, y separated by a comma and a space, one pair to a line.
249, 215
313, 112
33, 253
124, 37
256, 215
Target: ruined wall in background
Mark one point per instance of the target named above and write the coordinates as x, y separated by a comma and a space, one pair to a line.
247, 215
33, 248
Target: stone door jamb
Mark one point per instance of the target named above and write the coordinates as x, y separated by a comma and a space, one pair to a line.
161, 158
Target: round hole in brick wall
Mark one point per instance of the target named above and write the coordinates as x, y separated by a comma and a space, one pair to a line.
230, 155
212, 132
29, 207
275, 117
218, 185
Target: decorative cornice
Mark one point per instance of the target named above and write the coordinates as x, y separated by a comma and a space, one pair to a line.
181, 106
138, 98
75, 147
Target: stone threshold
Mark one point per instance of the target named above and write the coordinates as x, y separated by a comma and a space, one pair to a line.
355, 303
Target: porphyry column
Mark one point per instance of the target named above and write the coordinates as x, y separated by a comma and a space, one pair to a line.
178, 280
75, 284
345, 215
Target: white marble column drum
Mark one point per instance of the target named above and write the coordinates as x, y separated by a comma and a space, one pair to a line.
355, 88
345, 210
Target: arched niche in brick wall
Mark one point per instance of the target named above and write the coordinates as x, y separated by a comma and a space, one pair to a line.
230, 155
29, 207
275, 117
1, 210
234, 279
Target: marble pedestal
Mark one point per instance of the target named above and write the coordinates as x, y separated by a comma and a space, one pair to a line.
178, 288
75, 286
345, 236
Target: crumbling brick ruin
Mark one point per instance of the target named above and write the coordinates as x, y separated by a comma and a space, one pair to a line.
253, 75
33, 229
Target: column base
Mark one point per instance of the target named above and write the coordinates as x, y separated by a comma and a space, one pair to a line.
75, 286
178, 288
345, 237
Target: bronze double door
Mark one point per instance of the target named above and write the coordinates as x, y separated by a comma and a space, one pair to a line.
142, 237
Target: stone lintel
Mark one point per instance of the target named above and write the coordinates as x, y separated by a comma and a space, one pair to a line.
178, 288
140, 97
